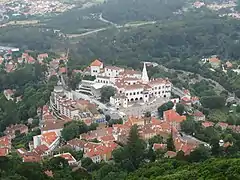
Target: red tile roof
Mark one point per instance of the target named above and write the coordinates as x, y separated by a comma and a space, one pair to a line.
171, 154
49, 137
222, 124
67, 156
96, 63
159, 146
4, 151
31, 157
107, 138
62, 70
214, 60
207, 124
173, 116
41, 149
5, 141
198, 114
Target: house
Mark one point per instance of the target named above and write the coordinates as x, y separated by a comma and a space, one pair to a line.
77, 144
42, 150
31, 157
50, 140
229, 65
170, 154
222, 125
8, 93
173, 117
207, 124
62, 70
4, 151
157, 146
215, 62
198, 116
41, 57
11, 130
101, 152
5, 145
96, 67
136, 120
53, 125
70, 159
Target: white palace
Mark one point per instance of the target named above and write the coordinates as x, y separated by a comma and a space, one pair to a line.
132, 86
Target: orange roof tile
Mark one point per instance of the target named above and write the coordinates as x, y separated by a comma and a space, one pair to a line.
159, 146
173, 116
214, 60
207, 124
49, 137
96, 63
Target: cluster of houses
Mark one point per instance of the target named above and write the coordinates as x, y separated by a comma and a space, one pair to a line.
216, 63
217, 6
11, 60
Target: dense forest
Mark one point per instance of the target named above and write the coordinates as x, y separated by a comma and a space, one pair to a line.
34, 38
123, 11
29, 84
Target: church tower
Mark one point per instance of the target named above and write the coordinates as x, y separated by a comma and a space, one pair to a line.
145, 78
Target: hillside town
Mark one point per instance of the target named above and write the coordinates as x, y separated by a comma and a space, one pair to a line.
224, 8
132, 87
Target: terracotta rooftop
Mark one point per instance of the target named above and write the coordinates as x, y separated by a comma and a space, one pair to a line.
207, 124
77, 142
41, 149
159, 146
52, 125
198, 114
173, 116
31, 157
214, 60
96, 63
49, 137
4, 151
170, 154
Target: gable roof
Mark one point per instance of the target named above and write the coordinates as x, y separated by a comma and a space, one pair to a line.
173, 116
96, 63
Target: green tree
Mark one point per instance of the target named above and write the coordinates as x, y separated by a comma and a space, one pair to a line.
170, 144
201, 153
165, 107
213, 102
180, 108
73, 129
106, 93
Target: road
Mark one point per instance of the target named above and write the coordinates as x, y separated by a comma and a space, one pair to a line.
217, 85
112, 24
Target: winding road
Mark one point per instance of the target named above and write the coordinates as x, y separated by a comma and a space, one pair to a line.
111, 25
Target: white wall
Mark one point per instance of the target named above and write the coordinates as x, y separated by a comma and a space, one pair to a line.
95, 70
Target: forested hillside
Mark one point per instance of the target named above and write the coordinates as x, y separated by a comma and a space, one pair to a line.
178, 44
123, 11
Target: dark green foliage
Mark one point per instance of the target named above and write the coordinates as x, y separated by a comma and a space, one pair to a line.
213, 102
180, 108
166, 106
106, 93
29, 83
170, 144
131, 155
73, 129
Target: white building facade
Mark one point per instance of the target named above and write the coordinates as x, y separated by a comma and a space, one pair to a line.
132, 86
